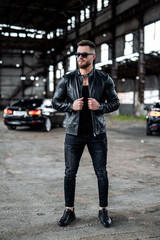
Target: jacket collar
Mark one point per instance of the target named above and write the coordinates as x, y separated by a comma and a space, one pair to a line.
87, 75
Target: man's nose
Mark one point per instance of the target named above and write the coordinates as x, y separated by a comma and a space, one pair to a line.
80, 56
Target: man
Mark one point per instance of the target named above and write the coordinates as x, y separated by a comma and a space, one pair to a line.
83, 94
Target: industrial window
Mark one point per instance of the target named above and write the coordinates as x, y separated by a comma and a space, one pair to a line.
104, 53
6, 34
13, 34
22, 32
72, 63
82, 16
151, 96
126, 97
70, 50
59, 32
50, 35
71, 23
38, 36
22, 35
87, 12
60, 70
128, 44
99, 5
152, 37
105, 3
51, 78
31, 35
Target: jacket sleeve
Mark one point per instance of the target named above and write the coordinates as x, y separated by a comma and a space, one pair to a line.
59, 101
112, 103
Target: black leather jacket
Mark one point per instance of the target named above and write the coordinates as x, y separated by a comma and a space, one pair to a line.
101, 87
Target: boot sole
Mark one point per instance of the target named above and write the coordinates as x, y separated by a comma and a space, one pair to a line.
65, 224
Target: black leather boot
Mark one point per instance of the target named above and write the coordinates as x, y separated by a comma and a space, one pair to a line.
68, 216
104, 218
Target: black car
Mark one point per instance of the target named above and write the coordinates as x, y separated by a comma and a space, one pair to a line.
153, 118
33, 113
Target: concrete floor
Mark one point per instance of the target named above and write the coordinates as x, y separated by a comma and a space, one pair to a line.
31, 186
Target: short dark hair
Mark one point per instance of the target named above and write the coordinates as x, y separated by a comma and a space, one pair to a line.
87, 43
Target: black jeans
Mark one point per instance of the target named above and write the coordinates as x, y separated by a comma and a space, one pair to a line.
74, 146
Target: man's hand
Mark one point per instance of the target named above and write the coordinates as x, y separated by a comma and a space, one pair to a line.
78, 104
93, 104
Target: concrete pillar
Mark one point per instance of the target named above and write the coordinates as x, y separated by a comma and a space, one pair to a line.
141, 67
46, 83
54, 76
139, 108
114, 63
77, 24
0, 77
98, 54
22, 74
93, 17
65, 65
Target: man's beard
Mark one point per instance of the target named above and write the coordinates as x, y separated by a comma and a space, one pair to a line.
84, 65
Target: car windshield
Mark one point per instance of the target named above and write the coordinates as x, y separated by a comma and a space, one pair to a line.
28, 103
156, 105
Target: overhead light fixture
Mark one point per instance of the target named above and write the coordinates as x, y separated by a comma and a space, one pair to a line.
17, 65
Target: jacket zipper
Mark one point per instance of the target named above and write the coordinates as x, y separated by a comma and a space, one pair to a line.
94, 134
80, 95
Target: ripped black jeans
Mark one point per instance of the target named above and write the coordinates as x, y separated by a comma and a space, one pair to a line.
97, 147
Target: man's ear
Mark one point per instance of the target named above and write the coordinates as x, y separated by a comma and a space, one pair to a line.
94, 56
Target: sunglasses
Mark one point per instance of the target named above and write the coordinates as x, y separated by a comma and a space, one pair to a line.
84, 54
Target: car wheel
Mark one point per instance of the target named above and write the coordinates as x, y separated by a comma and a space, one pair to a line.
11, 127
47, 125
